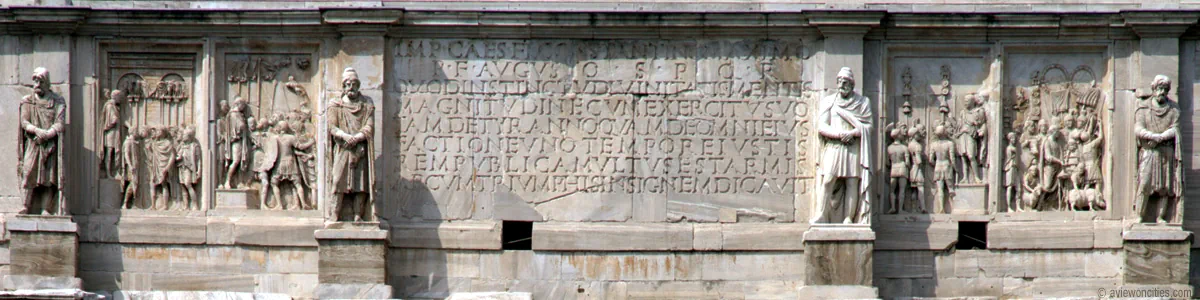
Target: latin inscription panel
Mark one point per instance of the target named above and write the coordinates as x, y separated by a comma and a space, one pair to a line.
701, 124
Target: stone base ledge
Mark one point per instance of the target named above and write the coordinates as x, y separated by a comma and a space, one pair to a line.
490, 296
197, 295
565, 236
198, 229
49, 294
467, 235
837, 233
42, 224
353, 291
350, 234
36, 282
817, 292
1145, 232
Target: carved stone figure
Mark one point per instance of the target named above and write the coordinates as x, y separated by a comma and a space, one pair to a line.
943, 153
39, 144
1051, 164
161, 155
111, 156
188, 160
898, 162
131, 154
1032, 189
972, 137
265, 154
306, 156
351, 124
844, 122
916, 170
1160, 178
1089, 156
1011, 182
287, 168
234, 137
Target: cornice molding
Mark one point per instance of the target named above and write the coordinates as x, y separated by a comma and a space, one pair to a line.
1160, 24
845, 23
48, 20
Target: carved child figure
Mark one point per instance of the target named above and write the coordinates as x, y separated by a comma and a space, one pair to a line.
111, 157
187, 157
1011, 182
943, 153
899, 159
131, 151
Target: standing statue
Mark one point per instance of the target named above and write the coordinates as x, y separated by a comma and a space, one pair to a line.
1011, 182
351, 123
898, 161
131, 151
844, 121
234, 138
943, 154
111, 156
916, 170
972, 138
187, 157
39, 144
160, 151
1160, 178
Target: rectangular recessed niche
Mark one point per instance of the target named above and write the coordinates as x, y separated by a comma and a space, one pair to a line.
516, 235
972, 235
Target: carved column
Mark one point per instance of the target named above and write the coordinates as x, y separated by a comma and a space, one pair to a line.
839, 256
1156, 253
44, 243
353, 252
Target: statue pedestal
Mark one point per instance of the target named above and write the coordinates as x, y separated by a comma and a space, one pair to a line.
237, 199
352, 261
44, 252
1157, 254
839, 261
969, 198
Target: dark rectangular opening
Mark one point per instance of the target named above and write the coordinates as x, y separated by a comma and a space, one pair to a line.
516, 235
972, 235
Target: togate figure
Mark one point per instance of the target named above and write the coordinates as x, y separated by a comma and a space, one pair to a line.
844, 122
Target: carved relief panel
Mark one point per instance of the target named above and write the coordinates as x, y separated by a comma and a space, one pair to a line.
1058, 124
147, 130
265, 137
938, 130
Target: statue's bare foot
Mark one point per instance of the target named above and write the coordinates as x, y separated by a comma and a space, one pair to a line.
892, 211
847, 221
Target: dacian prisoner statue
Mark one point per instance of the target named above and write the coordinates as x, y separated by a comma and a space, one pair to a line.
351, 123
39, 144
844, 122
1160, 180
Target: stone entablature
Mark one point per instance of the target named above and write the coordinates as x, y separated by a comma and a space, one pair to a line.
233, 148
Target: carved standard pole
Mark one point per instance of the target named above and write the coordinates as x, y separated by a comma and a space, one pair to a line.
40, 145
351, 121
844, 122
